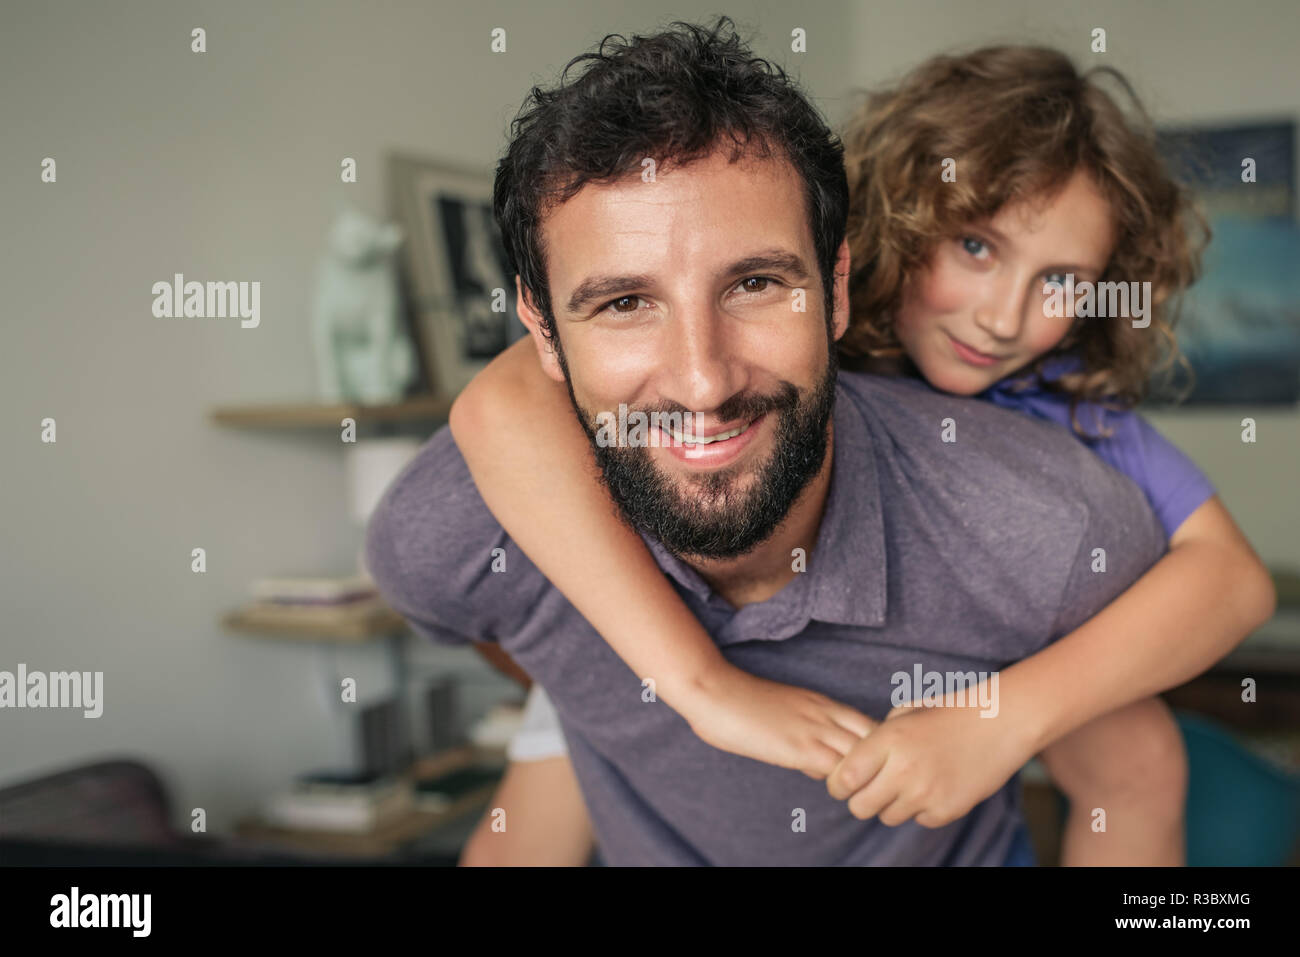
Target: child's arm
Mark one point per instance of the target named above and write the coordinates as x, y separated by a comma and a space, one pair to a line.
534, 468
539, 794
549, 824
1185, 613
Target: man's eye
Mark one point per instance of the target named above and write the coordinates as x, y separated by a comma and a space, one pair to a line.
624, 304
1055, 279
762, 281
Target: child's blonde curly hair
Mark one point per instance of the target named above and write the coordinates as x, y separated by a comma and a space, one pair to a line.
1019, 121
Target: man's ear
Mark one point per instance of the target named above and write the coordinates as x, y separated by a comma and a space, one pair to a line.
840, 291
533, 320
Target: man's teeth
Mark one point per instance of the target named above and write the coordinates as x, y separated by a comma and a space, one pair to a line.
707, 439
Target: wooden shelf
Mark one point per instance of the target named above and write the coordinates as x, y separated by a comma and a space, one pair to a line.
381, 624
393, 834
382, 841
292, 415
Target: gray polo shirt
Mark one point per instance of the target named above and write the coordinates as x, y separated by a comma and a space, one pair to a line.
950, 556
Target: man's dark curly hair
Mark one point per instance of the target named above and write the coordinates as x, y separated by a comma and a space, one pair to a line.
671, 96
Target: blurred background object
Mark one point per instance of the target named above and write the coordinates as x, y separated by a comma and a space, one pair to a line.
362, 351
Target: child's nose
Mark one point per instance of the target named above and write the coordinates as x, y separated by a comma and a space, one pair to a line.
1002, 314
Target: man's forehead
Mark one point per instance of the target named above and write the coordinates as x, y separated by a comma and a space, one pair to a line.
708, 201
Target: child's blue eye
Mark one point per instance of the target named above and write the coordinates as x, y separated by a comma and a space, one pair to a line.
973, 246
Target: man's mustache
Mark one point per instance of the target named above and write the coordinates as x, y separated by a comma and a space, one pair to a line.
742, 405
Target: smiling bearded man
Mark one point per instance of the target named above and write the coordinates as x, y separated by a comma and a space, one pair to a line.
684, 293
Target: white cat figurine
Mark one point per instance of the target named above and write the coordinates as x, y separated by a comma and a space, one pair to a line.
362, 351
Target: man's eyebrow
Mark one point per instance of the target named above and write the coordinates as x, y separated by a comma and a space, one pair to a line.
771, 260
596, 288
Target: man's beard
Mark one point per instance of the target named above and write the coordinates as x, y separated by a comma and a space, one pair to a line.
709, 516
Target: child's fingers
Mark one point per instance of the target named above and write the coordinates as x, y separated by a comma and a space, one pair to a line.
899, 811
819, 760
853, 721
840, 739
855, 770
875, 797
848, 718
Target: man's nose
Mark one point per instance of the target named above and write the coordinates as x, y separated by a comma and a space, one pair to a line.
701, 361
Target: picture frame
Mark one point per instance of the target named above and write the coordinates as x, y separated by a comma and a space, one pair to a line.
459, 288
1239, 327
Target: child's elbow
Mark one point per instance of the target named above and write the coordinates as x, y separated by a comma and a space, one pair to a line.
489, 401
1257, 592
471, 411
463, 413
1268, 597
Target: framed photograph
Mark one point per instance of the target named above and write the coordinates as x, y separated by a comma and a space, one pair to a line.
1210, 158
1240, 324
459, 287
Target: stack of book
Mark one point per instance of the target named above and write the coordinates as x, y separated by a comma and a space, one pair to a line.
315, 602
354, 804
439, 794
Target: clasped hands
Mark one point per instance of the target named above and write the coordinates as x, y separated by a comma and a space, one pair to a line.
931, 763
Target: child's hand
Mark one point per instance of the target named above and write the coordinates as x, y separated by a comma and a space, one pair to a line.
772, 722
931, 763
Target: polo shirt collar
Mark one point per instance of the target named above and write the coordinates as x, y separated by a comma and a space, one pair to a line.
845, 582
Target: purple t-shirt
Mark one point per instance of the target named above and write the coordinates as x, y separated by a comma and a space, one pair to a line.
1172, 483
933, 556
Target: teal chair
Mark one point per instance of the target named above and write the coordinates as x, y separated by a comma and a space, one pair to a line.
1242, 811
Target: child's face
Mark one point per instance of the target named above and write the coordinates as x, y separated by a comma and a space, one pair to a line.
975, 314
